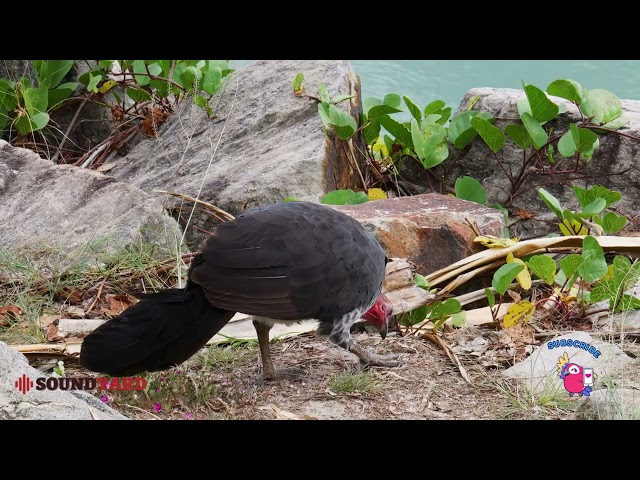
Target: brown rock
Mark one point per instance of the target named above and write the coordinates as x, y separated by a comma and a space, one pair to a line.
429, 230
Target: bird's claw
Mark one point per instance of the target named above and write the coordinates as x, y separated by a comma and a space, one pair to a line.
374, 360
291, 374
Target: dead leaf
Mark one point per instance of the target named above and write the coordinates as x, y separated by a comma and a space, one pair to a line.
52, 333
10, 312
515, 296
519, 313
71, 295
105, 167
76, 312
284, 415
117, 304
155, 117
44, 321
523, 214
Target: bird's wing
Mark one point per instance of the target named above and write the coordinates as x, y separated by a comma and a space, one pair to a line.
290, 261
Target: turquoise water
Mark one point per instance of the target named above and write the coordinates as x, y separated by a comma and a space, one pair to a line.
426, 80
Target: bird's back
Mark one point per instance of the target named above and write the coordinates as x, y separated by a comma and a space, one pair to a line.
291, 261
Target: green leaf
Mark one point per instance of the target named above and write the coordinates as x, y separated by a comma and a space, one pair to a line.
627, 302
603, 290
393, 100
297, 83
503, 277
442, 309
32, 122
413, 317
344, 197
550, 154
594, 265
566, 146
621, 267
542, 109
379, 110
93, 82
324, 93
400, 132
341, 98
190, 76
602, 105
155, 69
61, 93
611, 223
445, 113
371, 132
468, 188
543, 267
176, 76
160, 87
4, 117
165, 66
584, 141
420, 281
491, 298
370, 102
430, 143
414, 109
567, 89
594, 208
459, 319
619, 122
492, 136
342, 123
139, 67
138, 95
50, 73
221, 64
535, 130
202, 102
585, 197
433, 107
569, 266
105, 64
552, 202
461, 132
8, 97
36, 100
291, 199
211, 80
519, 136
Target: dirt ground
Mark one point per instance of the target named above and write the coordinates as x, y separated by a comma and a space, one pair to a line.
428, 385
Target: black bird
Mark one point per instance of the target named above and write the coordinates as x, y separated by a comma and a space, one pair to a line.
280, 263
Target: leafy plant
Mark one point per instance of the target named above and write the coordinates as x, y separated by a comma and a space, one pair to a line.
344, 197
26, 107
594, 201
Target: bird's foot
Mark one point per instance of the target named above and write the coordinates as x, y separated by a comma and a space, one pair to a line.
368, 358
291, 374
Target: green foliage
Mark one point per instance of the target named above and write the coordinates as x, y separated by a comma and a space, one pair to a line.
625, 276
344, 197
26, 107
430, 141
492, 136
437, 312
503, 277
420, 281
594, 201
468, 188
543, 267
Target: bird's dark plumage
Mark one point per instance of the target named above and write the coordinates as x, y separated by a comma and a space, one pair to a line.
285, 261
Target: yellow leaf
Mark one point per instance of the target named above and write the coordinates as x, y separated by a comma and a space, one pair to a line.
524, 277
106, 86
376, 194
518, 312
609, 274
490, 241
574, 227
379, 146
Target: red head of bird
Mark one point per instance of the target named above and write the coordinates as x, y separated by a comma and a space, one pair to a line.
379, 314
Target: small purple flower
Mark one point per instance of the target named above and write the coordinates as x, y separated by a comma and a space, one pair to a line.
162, 379
157, 407
105, 399
187, 416
158, 389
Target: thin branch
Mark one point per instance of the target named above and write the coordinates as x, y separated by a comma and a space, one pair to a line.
69, 128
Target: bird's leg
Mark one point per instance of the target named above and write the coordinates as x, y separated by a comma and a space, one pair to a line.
268, 370
342, 338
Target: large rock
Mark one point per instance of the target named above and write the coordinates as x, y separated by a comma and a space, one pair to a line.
610, 404
43, 404
14, 69
45, 207
616, 154
265, 143
430, 230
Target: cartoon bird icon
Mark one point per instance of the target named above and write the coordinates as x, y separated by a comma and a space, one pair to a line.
573, 376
